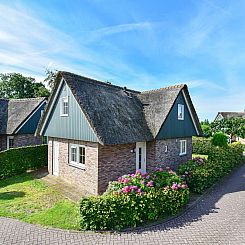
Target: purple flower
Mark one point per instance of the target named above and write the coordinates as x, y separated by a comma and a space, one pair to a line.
139, 190
142, 182
147, 177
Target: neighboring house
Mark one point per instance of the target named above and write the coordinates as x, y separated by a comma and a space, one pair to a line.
98, 131
228, 115
18, 122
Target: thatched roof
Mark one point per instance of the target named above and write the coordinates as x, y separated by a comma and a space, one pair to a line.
228, 115
14, 112
118, 115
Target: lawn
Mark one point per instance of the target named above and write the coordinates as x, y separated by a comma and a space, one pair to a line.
28, 199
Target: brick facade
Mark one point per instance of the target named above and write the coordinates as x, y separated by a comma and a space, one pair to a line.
20, 140
107, 163
115, 161
85, 179
167, 151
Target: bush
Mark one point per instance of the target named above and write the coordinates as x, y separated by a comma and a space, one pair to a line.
201, 145
133, 200
200, 175
17, 160
219, 139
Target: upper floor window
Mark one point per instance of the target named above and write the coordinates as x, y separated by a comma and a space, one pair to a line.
180, 112
64, 106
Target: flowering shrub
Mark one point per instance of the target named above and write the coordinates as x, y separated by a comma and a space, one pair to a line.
201, 145
201, 174
134, 199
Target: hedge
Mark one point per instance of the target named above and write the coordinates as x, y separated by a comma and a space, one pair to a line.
17, 160
201, 145
133, 200
200, 174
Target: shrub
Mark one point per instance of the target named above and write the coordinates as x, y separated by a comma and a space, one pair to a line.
200, 175
17, 160
133, 200
201, 145
219, 139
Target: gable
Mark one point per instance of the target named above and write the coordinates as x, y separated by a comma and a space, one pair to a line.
174, 128
74, 126
30, 126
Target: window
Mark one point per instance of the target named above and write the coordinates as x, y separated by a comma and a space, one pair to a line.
77, 156
64, 106
10, 142
180, 112
140, 157
182, 147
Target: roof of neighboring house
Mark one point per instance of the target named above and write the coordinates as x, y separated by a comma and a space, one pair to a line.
227, 115
119, 115
14, 112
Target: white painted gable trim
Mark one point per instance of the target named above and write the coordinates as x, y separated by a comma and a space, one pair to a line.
28, 118
192, 117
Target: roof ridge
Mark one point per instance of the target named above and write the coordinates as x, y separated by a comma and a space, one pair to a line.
108, 84
26, 99
165, 88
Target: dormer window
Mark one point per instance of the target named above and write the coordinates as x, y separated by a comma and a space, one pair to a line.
64, 106
180, 112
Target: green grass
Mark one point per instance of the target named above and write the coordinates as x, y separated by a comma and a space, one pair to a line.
200, 155
28, 199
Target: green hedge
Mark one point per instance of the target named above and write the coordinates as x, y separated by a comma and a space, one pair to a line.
200, 174
17, 160
133, 200
201, 145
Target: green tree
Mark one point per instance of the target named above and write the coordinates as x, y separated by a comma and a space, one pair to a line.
231, 126
50, 77
17, 86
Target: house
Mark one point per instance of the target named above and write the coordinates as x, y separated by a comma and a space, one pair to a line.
229, 115
18, 122
98, 131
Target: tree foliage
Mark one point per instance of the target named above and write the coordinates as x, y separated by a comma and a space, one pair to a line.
231, 126
50, 77
17, 86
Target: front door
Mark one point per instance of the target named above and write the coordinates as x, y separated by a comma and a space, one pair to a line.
56, 158
141, 157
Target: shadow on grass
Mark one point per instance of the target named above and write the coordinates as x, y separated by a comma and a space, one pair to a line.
10, 195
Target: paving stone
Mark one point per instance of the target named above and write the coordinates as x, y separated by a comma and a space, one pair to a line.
218, 218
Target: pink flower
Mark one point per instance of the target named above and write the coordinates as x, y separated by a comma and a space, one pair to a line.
160, 169
142, 182
147, 177
175, 186
126, 180
171, 171
138, 172
139, 190
168, 168
126, 189
183, 186
120, 179
150, 183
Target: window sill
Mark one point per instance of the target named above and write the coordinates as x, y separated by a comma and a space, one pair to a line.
80, 166
183, 154
64, 115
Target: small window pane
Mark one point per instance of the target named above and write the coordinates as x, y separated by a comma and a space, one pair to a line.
11, 143
140, 157
180, 112
82, 155
74, 154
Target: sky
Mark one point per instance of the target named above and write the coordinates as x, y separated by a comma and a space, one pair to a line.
139, 44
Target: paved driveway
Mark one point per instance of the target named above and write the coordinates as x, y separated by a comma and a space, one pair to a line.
217, 219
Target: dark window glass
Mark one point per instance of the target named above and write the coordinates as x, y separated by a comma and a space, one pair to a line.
140, 157
82, 155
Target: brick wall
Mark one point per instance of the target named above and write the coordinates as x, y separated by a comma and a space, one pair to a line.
170, 156
26, 139
115, 161
3, 142
85, 179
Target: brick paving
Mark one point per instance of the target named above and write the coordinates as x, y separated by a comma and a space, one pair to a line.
218, 218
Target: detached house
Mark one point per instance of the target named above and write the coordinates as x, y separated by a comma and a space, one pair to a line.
18, 122
98, 131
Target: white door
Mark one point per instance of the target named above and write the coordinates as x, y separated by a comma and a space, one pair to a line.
141, 157
56, 158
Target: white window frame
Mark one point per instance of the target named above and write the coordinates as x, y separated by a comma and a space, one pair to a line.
64, 100
9, 138
77, 162
182, 153
181, 112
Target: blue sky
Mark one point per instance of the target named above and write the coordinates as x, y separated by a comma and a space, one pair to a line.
140, 44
